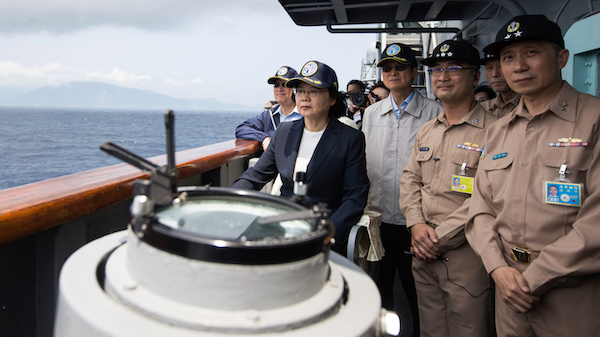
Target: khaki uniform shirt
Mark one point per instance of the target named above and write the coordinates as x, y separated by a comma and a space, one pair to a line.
388, 143
498, 107
508, 208
425, 188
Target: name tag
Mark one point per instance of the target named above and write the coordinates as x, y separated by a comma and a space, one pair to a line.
423, 149
462, 184
563, 194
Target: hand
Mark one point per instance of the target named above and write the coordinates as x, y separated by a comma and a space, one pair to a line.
424, 242
371, 99
514, 289
265, 143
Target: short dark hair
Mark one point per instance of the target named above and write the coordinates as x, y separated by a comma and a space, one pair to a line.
360, 84
484, 88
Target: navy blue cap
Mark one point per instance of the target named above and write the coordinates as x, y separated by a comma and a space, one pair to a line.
525, 28
284, 73
316, 74
488, 57
453, 50
398, 52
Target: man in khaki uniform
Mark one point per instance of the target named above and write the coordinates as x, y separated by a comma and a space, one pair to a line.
507, 99
452, 285
542, 250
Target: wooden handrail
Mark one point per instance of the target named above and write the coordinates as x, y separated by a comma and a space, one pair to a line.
29, 209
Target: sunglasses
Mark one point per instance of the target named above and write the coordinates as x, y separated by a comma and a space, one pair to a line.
397, 66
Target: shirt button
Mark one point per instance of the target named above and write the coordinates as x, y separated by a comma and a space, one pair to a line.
531, 129
563, 161
447, 133
525, 163
517, 235
441, 155
519, 199
432, 198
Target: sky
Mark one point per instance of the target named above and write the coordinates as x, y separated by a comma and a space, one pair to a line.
194, 49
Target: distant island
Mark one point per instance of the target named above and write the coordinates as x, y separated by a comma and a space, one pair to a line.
102, 95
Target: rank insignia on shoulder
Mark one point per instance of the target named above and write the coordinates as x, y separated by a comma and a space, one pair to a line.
423, 149
475, 120
568, 142
500, 155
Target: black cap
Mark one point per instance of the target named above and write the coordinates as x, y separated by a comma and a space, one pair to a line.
453, 50
488, 57
398, 52
316, 74
524, 28
284, 73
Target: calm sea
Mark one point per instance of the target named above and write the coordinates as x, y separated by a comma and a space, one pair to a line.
42, 143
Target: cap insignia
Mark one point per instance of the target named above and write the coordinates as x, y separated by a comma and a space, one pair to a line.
444, 48
513, 27
282, 71
518, 33
309, 69
393, 50
450, 53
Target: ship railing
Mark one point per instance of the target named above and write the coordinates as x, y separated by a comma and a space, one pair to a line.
43, 223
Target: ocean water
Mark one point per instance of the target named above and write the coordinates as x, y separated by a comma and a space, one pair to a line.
42, 143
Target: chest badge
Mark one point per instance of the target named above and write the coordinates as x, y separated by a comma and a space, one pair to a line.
500, 155
470, 146
568, 142
423, 149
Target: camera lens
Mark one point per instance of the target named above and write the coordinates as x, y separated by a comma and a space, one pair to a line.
357, 99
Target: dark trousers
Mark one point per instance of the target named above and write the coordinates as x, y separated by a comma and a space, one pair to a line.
396, 240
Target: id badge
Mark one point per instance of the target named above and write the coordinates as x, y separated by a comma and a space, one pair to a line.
462, 184
563, 193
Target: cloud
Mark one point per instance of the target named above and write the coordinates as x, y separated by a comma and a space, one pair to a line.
65, 16
124, 77
197, 80
16, 74
174, 83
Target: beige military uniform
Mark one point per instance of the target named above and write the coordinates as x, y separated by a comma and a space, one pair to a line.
498, 107
509, 209
453, 293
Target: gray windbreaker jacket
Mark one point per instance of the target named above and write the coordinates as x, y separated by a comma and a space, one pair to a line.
389, 142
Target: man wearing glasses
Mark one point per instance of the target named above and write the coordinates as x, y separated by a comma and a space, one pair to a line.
453, 288
390, 127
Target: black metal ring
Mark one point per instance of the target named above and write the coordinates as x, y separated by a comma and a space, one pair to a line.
272, 251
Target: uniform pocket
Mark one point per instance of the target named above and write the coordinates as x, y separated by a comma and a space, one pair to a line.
424, 157
498, 171
577, 159
471, 158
